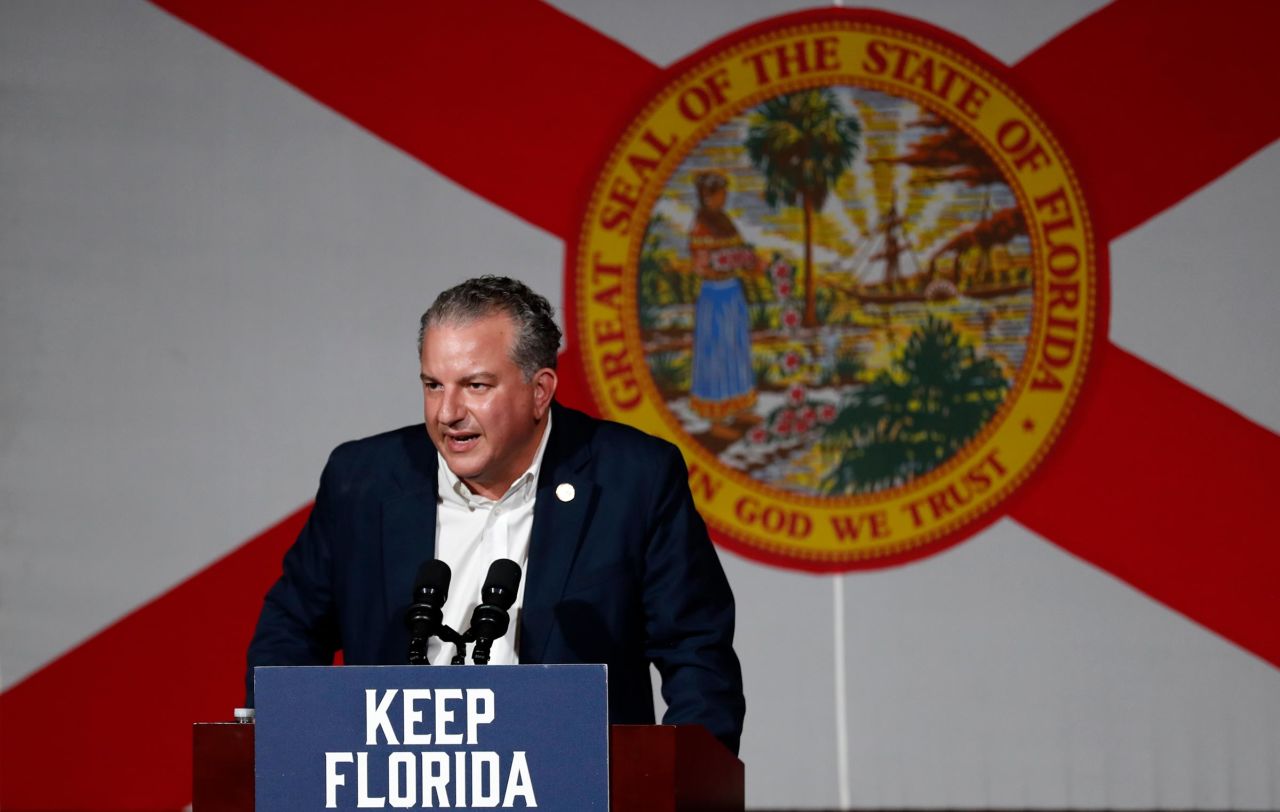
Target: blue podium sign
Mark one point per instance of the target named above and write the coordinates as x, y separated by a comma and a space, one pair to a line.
422, 737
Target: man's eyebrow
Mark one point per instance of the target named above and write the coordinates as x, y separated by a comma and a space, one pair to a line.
475, 377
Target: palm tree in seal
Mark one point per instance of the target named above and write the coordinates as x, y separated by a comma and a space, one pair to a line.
802, 143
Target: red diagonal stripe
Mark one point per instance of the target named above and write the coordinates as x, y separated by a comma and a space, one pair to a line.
514, 100
108, 725
1172, 492
1155, 98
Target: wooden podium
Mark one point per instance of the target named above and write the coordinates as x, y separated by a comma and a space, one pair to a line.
652, 768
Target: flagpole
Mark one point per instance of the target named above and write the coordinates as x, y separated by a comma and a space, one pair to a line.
842, 721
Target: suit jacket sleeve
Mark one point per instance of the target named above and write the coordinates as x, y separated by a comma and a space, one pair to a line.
298, 624
689, 613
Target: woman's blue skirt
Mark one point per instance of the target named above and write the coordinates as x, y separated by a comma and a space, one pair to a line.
722, 375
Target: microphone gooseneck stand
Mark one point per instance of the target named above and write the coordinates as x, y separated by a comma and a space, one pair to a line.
489, 620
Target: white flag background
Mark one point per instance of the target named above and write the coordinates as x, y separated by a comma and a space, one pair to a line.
209, 278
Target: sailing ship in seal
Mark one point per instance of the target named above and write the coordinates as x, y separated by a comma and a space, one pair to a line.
963, 266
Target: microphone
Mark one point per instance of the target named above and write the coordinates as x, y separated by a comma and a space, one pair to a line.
489, 620
425, 615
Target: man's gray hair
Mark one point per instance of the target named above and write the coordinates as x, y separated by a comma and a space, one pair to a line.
537, 338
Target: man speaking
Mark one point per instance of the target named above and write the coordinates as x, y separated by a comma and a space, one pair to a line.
618, 565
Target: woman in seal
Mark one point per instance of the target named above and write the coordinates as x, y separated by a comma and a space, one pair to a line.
723, 381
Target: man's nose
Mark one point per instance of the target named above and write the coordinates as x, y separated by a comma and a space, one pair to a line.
451, 409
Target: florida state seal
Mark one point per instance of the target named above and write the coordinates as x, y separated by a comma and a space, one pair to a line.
848, 270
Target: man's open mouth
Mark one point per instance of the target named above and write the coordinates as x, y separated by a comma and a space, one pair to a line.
460, 442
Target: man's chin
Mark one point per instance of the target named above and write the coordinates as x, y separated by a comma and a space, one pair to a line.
463, 464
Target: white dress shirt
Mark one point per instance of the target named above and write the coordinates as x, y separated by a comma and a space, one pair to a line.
471, 533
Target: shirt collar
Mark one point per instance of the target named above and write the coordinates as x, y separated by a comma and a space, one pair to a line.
453, 490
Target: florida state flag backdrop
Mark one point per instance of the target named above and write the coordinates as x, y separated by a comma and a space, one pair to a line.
962, 313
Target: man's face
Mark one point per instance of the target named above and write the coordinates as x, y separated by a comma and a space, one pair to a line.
485, 419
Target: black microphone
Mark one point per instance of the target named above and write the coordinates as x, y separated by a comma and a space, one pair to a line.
489, 620
425, 615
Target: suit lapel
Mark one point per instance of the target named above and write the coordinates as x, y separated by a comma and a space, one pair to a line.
408, 538
559, 521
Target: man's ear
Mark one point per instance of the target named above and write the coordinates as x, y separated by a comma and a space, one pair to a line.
544, 389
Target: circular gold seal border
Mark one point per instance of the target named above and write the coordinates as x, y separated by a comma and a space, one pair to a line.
935, 42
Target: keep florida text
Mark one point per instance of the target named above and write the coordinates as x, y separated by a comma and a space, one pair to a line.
447, 769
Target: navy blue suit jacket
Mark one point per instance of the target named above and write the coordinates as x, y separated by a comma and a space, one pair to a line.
622, 574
